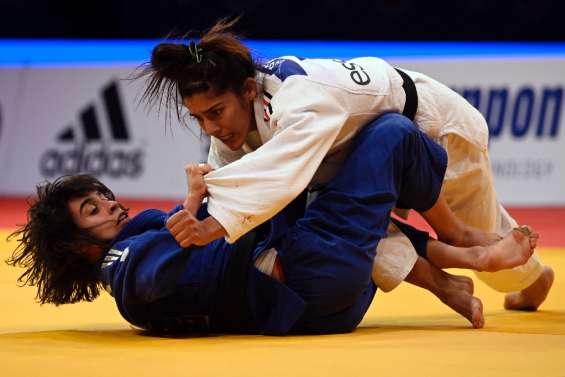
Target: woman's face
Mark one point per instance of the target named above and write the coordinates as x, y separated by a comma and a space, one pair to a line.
228, 117
101, 217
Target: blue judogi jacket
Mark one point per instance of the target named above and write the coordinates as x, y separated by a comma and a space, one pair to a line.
151, 277
327, 255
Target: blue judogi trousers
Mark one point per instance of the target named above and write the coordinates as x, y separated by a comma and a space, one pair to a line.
327, 257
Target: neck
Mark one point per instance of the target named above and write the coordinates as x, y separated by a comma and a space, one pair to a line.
92, 253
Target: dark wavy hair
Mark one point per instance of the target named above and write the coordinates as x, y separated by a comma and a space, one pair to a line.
179, 69
51, 246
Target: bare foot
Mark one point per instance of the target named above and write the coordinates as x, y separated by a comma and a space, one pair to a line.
468, 306
461, 283
532, 297
513, 250
457, 293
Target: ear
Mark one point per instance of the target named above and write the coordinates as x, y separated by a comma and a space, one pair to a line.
250, 89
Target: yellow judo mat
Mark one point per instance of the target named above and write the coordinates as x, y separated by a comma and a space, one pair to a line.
405, 333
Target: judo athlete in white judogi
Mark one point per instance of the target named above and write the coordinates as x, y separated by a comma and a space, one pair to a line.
304, 114
320, 106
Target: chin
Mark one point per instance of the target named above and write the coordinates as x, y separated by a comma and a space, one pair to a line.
124, 222
121, 226
235, 144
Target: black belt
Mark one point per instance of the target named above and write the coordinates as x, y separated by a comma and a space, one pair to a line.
411, 104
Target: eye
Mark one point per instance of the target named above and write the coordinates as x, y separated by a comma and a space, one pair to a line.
217, 112
93, 211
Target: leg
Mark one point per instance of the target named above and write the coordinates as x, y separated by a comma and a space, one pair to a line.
391, 163
469, 192
454, 291
452, 230
395, 259
511, 251
330, 252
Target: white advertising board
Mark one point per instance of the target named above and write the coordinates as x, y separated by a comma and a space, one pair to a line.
522, 100
70, 120
62, 120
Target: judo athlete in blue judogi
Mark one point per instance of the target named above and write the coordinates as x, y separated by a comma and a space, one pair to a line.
79, 238
326, 256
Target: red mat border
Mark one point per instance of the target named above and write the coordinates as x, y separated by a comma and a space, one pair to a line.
548, 221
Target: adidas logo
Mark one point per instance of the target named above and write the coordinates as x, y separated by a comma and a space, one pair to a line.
90, 125
95, 149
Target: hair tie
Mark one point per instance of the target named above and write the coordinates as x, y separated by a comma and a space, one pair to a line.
195, 52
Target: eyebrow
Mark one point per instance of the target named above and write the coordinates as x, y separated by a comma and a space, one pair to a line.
213, 107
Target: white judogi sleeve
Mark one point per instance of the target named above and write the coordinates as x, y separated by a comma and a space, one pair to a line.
249, 191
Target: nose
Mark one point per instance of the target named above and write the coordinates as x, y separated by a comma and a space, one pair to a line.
210, 128
111, 206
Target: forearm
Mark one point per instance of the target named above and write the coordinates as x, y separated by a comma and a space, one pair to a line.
212, 230
192, 203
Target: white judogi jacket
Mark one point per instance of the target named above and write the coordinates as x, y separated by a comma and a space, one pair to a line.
307, 113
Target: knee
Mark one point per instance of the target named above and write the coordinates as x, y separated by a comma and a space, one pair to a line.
350, 283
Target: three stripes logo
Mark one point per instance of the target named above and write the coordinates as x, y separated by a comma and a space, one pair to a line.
113, 255
94, 148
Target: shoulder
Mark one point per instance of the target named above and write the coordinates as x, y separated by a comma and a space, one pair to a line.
284, 67
364, 75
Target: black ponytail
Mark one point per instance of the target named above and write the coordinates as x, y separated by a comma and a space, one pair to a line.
218, 62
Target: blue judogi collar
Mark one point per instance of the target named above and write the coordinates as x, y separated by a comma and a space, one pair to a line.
144, 221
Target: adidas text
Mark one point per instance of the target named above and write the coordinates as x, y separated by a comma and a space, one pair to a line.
99, 160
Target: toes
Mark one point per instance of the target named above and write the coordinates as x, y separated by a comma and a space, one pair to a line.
526, 229
478, 319
523, 233
533, 240
519, 234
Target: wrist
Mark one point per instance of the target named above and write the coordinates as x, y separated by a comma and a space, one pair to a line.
192, 202
212, 229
